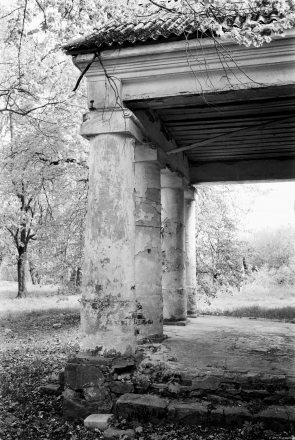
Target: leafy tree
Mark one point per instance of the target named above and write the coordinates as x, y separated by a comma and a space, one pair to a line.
274, 248
42, 155
59, 251
44, 161
225, 18
219, 241
41, 179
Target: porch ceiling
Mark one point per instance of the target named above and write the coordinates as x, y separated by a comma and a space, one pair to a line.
209, 118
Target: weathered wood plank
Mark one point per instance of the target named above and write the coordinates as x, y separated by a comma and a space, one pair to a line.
227, 109
225, 116
211, 158
187, 140
243, 171
282, 128
246, 148
230, 134
215, 99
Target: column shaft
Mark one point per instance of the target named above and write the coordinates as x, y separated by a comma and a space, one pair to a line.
148, 270
173, 248
108, 314
190, 253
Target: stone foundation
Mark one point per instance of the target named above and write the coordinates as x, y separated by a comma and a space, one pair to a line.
96, 384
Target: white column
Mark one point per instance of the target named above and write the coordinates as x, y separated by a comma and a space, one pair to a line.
109, 309
190, 251
148, 268
108, 290
173, 248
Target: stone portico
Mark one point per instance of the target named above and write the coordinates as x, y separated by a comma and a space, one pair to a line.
160, 122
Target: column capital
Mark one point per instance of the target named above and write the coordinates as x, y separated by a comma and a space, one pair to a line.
170, 179
190, 193
112, 120
150, 152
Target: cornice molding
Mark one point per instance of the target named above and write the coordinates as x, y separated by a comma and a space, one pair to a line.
181, 56
182, 67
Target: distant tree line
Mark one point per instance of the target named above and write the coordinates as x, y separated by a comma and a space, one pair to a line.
227, 257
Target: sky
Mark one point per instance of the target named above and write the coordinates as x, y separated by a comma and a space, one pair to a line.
274, 208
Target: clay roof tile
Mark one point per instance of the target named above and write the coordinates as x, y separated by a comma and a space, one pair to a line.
162, 24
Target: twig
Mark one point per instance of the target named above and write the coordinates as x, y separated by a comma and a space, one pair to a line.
20, 39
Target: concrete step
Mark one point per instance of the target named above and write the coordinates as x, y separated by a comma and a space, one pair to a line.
158, 410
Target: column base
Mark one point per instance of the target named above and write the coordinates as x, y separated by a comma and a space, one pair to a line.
179, 323
192, 315
153, 339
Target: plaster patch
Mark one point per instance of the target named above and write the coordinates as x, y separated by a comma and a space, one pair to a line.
143, 215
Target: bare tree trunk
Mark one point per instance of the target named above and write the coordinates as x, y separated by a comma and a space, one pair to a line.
21, 275
35, 277
79, 277
73, 276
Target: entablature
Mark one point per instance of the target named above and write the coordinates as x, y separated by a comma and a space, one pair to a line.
193, 66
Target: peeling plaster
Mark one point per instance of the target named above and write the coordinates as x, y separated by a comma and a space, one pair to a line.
148, 249
122, 293
143, 215
173, 250
108, 299
190, 230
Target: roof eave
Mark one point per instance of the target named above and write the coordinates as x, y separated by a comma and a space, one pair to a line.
115, 46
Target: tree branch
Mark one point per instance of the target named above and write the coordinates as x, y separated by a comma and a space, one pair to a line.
9, 13
21, 37
163, 7
14, 236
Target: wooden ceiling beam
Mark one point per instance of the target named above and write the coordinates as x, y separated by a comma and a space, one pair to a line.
288, 135
237, 156
228, 135
223, 129
243, 170
246, 148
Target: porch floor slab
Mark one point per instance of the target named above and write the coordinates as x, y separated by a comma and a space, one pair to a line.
219, 344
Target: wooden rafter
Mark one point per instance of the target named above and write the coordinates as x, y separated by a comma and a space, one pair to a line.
229, 134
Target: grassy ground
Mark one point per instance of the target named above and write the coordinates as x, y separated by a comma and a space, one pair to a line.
37, 335
39, 299
253, 300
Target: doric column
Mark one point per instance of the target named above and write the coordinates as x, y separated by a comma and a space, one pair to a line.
190, 251
173, 247
148, 267
109, 311
108, 289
